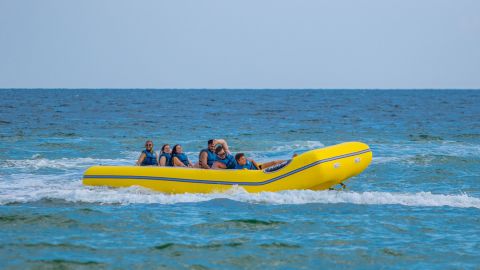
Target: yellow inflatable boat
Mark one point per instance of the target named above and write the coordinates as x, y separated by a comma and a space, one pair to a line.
316, 169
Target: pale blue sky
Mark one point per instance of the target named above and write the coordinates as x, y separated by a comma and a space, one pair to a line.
240, 44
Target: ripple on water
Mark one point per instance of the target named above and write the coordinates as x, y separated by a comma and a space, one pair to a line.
51, 246
65, 264
211, 245
242, 224
60, 220
424, 137
37, 220
279, 245
407, 210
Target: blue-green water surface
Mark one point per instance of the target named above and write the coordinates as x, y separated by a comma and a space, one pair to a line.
416, 207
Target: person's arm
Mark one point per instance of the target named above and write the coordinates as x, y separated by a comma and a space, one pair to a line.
140, 159
190, 165
177, 162
223, 143
254, 163
162, 160
218, 165
204, 160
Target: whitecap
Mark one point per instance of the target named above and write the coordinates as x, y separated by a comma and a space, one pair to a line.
23, 188
62, 163
297, 146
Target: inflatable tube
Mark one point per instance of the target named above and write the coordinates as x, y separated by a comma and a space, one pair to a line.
316, 169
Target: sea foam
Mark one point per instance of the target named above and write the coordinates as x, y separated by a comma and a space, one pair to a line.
33, 188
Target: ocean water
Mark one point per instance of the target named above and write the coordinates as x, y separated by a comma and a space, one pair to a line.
416, 207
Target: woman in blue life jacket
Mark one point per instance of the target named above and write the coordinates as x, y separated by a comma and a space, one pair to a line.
225, 159
165, 156
148, 157
179, 159
207, 156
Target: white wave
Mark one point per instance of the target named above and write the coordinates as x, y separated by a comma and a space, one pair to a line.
458, 149
426, 151
382, 160
37, 163
297, 145
30, 188
131, 155
447, 148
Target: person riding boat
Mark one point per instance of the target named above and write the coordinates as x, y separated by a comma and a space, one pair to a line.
250, 164
165, 157
207, 156
179, 159
244, 163
225, 160
148, 157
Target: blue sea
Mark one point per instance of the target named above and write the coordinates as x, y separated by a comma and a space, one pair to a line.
417, 206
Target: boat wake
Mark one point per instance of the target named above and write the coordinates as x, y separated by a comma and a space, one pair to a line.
36, 189
38, 178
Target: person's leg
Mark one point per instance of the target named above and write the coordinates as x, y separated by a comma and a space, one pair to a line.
271, 163
197, 165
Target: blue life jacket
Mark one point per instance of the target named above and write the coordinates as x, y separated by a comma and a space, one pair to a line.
249, 166
168, 159
150, 158
229, 161
211, 157
182, 157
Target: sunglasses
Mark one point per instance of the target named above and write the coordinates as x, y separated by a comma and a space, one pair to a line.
148, 144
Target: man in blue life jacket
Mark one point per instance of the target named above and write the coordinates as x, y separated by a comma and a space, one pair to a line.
207, 156
148, 157
250, 164
225, 159
244, 163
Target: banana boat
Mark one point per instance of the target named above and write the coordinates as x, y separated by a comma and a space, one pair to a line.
317, 169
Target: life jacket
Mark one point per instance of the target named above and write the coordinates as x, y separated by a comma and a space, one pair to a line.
249, 166
229, 161
211, 157
168, 159
150, 158
182, 157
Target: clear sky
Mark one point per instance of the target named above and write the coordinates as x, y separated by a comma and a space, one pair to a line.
240, 44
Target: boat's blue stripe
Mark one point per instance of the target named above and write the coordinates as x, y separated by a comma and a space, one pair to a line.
227, 182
